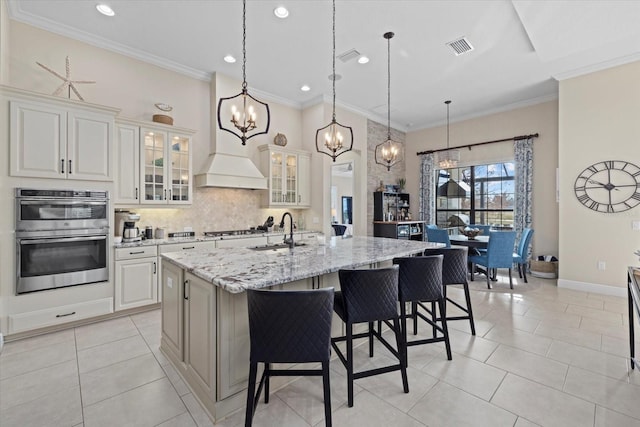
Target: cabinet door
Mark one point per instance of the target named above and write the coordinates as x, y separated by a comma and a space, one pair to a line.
276, 178
291, 179
304, 180
152, 170
233, 343
172, 310
200, 333
38, 139
89, 146
136, 283
179, 169
128, 165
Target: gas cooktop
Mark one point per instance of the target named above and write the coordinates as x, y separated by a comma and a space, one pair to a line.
232, 232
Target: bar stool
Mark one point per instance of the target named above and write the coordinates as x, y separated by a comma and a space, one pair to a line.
420, 281
288, 327
455, 272
369, 296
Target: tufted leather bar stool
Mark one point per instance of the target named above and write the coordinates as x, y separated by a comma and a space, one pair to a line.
289, 327
368, 296
455, 272
420, 282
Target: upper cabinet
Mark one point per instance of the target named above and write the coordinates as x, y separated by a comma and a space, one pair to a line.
154, 163
52, 137
289, 175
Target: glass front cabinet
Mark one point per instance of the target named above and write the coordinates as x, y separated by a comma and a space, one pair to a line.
154, 164
288, 173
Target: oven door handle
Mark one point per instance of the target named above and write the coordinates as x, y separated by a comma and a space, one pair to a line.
59, 240
62, 203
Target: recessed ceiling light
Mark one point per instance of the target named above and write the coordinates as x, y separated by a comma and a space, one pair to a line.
363, 59
281, 12
230, 59
105, 10
305, 88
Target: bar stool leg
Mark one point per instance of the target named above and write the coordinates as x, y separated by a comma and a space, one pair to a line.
371, 336
467, 298
350, 365
402, 353
251, 390
403, 325
414, 315
433, 319
447, 345
327, 395
267, 372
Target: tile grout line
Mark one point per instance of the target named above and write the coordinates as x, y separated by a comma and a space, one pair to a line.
75, 344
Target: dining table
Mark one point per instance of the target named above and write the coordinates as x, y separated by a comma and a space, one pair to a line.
478, 242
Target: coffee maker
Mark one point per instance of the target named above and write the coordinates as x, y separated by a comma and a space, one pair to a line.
126, 226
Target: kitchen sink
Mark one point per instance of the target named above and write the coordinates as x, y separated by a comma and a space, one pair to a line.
275, 247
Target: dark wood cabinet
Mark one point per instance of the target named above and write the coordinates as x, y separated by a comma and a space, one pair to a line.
391, 217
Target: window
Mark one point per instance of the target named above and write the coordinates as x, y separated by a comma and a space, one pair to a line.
481, 194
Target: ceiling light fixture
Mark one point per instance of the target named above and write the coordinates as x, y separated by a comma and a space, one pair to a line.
230, 59
363, 59
281, 12
105, 10
450, 158
334, 139
244, 119
305, 88
389, 152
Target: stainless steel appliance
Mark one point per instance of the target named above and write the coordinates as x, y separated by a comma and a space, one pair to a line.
126, 226
61, 238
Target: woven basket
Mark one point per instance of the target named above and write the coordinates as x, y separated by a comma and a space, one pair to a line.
162, 118
545, 269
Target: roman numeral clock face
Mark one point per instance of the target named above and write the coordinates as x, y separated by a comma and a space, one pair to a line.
610, 186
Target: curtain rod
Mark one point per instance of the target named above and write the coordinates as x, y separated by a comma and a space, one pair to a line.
515, 138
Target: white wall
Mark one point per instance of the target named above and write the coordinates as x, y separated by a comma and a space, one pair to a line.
540, 118
4, 42
599, 120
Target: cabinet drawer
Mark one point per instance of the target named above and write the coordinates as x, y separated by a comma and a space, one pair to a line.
57, 315
136, 252
245, 242
186, 246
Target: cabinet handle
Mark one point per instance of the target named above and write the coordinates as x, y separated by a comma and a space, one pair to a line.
165, 194
154, 267
70, 167
184, 290
66, 314
169, 194
136, 193
136, 252
299, 198
188, 247
62, 165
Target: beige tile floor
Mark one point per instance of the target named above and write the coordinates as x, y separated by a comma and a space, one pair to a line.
543, 356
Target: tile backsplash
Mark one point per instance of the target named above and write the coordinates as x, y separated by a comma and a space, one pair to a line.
214, 209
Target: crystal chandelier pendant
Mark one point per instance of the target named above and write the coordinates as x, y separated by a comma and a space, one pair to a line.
448, 159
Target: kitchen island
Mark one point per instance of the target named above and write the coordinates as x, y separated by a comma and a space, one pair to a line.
205, 332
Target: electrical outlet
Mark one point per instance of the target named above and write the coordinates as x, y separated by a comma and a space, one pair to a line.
635, 225
1, 341
316, 220
188, 229
602, 265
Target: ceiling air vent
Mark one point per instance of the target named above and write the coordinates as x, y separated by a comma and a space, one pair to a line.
349, 55
460, 46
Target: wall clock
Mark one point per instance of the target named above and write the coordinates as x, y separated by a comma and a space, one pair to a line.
610, 186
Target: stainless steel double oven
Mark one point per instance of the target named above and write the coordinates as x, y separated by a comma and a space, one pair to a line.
61, 238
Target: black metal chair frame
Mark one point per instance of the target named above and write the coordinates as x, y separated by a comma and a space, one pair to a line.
399, 352
450, 278
284, 355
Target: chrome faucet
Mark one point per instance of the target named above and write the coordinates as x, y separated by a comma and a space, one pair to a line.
288, 241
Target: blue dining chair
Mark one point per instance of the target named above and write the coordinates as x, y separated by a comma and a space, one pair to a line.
521, 256
438, 235
499, 254
432, 226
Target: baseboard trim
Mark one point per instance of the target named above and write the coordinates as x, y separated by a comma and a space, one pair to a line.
593, 287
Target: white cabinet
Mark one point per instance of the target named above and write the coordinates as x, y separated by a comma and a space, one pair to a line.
136, 280
154, 164
289, 175
56, 138
173, 310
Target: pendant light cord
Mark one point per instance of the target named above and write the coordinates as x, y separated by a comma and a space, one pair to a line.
389, 86
447, 102
244, 42
333, 76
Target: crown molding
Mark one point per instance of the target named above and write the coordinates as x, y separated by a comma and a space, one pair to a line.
592, 68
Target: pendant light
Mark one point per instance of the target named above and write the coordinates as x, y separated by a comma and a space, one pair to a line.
334, 139
450, 158
243, 110
389, 152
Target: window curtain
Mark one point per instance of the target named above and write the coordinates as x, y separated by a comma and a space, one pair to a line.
427, 189
523, 150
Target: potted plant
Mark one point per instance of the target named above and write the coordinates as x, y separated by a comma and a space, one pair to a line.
401, 184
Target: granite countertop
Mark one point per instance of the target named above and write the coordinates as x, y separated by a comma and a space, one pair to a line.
238, 269
169, 240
